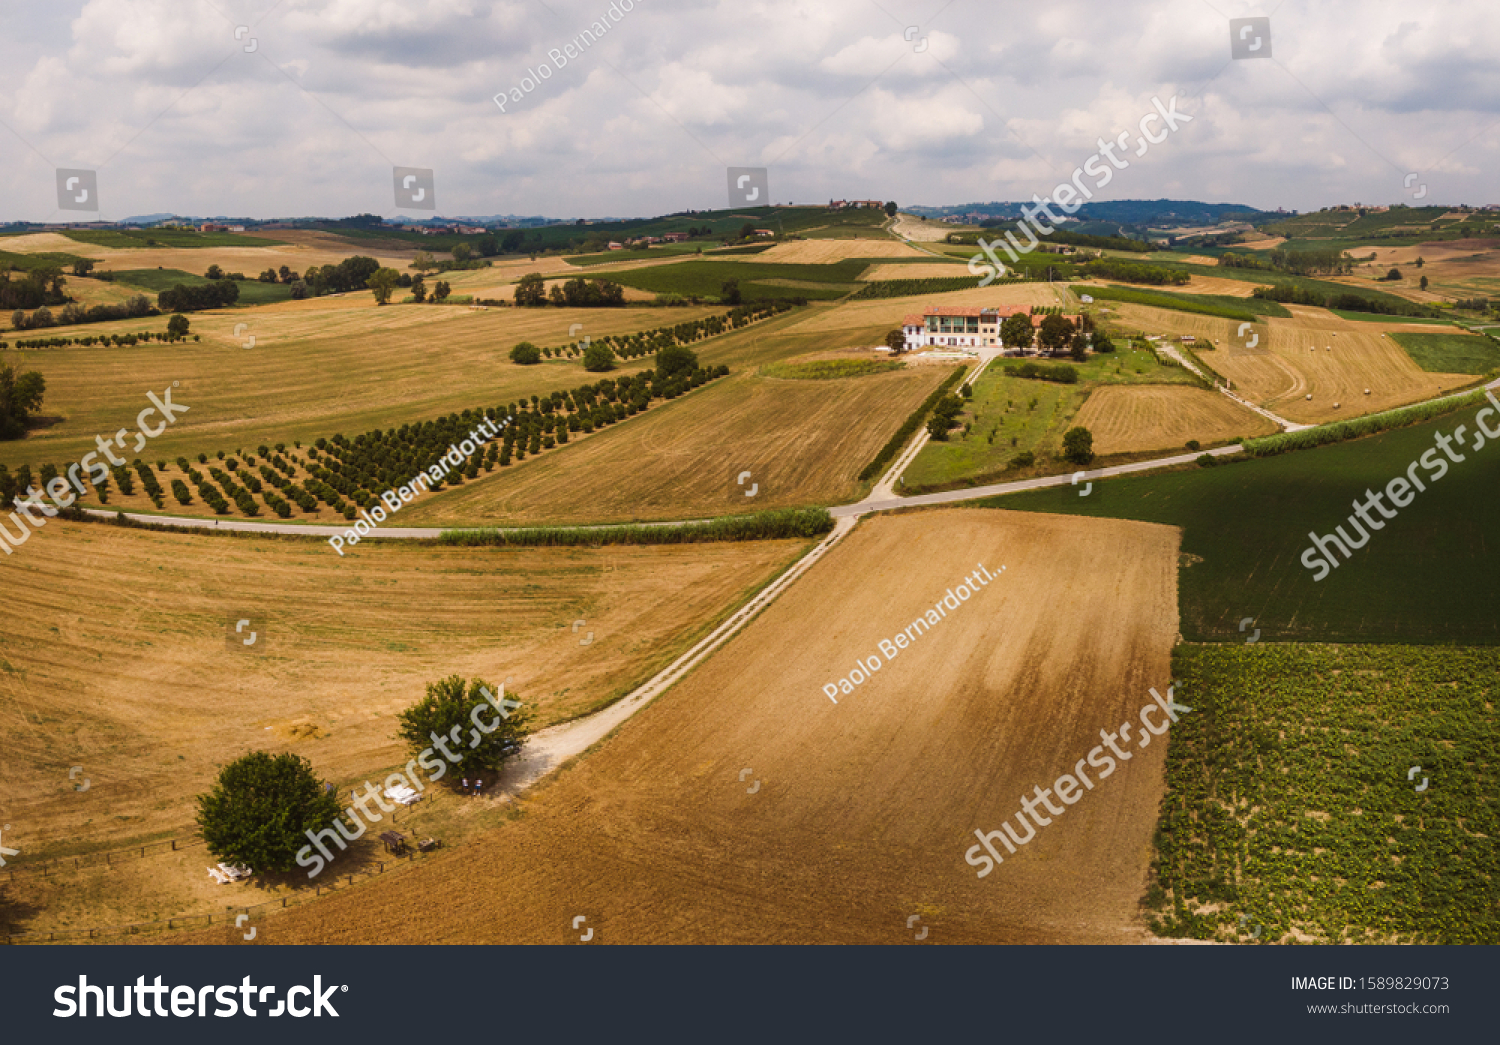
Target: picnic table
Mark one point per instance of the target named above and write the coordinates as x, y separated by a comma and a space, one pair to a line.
224, 874
394, 841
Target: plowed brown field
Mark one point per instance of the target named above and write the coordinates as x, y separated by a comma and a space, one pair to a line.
744, 806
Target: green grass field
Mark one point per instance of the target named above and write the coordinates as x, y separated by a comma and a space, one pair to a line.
1376, 317
1012, 415
1245, 310
828, 369
660, 250
1289, 807
252, 291
127, 238
1430, 577
1451, 353
705, 279
14, 262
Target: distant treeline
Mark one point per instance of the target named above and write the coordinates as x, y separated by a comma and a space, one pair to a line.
1351, 301
134, 307
184, 298
1297, 262
1134, 272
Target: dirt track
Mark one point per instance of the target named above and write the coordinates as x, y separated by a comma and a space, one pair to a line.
864, 809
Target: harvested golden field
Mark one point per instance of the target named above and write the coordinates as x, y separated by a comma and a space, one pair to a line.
1314, 353
829, 251
1196, 285
318, 367
936, 270
299, 251
115, 655
879, 315
804, 442
1129, 419
921, 230
745, 807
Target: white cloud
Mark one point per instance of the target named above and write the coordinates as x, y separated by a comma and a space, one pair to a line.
644, 120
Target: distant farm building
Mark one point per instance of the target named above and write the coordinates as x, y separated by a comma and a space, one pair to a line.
959, 326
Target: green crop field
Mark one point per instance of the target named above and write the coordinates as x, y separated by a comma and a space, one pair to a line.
827, 369
1243, 309
126, 238
1431, 576
1290, 814
1376, 317
31, 262
1451, 353
252, 291
658, 252
705, 279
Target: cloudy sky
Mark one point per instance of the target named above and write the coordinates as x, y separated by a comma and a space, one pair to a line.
263, 109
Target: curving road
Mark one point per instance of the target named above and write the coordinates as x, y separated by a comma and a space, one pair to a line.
549, 748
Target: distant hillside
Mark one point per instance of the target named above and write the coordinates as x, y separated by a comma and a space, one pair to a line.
1141, 213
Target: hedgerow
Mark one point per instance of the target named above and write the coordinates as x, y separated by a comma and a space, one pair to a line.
763, 526
911, 424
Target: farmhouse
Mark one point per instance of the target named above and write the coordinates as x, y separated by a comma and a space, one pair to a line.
962, 326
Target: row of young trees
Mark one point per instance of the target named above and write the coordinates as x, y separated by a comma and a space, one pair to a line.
646, 342
380, 460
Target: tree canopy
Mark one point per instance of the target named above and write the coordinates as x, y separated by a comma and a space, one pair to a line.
1017, 330
20, 397
598, 357
1078, 445
531, 290
674, 360
382, 282
1055, 333
260, 808
480, 723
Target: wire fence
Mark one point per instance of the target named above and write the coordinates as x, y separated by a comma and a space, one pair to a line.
105, 859
337, 883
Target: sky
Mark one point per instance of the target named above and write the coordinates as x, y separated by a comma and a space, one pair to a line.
262, 109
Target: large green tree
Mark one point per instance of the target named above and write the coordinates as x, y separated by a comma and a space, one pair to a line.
531, 290
1016, 331
479, 723
1078, 445
598, 357
1055, 333
382, 282
525, 353
260, 808
895, 340
20, 397
674, 360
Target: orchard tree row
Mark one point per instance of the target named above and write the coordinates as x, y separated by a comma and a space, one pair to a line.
599, 354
